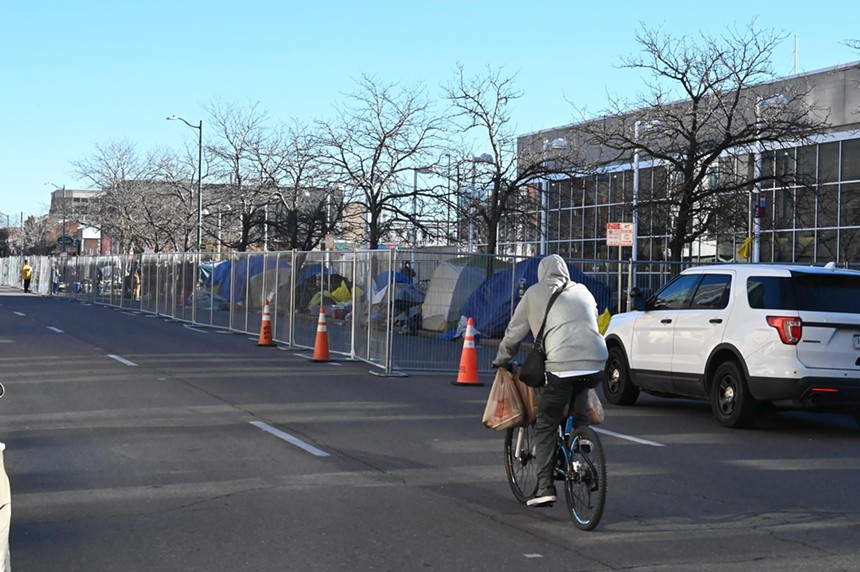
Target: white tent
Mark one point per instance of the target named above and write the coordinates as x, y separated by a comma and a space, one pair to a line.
450, 287
264, 284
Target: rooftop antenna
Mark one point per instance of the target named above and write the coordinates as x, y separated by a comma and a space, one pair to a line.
795, 54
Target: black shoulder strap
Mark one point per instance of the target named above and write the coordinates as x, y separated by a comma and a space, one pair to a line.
555, 295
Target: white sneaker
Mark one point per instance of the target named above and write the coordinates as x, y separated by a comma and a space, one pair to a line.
543, 497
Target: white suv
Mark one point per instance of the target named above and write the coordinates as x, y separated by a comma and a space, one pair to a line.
740, 336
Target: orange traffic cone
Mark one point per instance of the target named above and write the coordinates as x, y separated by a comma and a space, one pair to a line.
321, 344
468, 359
266, 327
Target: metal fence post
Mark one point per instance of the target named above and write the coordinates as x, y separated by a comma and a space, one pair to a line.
353, 307
388, 371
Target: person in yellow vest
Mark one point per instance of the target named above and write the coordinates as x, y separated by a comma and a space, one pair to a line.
26, 275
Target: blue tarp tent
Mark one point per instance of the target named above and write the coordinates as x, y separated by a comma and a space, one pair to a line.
243, 270
381, 280
490, 304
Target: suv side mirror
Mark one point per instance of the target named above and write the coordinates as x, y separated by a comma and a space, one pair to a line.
639, 299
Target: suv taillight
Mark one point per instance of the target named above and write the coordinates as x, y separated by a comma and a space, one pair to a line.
789, 328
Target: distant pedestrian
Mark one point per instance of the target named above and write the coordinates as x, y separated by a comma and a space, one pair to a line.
55, 279
26, 275
135, 283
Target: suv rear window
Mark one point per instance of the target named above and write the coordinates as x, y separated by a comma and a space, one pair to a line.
805, 291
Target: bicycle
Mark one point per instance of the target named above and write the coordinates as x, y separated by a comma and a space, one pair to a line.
580, 463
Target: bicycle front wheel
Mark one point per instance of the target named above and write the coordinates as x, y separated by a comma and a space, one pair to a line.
585, 481
520, 462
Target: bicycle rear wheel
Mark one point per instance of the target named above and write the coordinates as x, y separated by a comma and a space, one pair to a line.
585, 481
520, 462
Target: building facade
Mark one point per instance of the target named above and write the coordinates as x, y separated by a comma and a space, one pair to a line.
817, 222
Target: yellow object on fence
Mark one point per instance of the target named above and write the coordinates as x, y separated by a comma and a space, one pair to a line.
603, 321
744, 250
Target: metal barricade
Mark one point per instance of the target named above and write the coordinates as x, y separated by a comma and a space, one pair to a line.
396, 310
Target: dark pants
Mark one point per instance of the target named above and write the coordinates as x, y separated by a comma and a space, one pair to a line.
554, 396
26, 284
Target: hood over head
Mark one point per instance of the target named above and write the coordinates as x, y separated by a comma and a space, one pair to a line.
553, 267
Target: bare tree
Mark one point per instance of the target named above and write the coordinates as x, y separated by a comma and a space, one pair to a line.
129, 209
707, 108
302, 210
172, 212
382, 134
238, 132
33, 237
505, 175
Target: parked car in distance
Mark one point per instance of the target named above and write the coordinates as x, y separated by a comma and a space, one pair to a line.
742, 336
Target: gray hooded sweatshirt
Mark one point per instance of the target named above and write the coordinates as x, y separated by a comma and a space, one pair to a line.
572, 341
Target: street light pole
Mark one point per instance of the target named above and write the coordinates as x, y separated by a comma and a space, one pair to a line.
199, 129
559, 144
761, 104
638, 127
6, 238
485, 158
64, 218
634, 256
63, 188
415, 171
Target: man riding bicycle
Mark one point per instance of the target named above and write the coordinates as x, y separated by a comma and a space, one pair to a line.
575, 358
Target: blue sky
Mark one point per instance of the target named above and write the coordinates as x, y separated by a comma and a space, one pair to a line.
77, 74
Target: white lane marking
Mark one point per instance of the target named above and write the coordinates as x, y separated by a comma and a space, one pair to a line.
289, 438
196, 330
122, 360
535, 555
629, 437
19, 313
53, 329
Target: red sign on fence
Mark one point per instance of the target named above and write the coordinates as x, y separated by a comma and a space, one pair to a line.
619, 234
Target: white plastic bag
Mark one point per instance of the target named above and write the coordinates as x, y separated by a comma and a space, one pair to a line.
504, 406
595, 408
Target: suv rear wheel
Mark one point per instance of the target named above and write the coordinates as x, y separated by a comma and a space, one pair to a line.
617, 385
731, 401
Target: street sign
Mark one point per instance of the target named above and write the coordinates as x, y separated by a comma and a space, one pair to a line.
619, 234
65, 240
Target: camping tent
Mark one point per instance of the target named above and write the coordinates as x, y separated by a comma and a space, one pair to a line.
264, 284
490, 304
229, 278
406, 304
382, 279
452, 283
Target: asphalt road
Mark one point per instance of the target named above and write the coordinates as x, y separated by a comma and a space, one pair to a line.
163, 457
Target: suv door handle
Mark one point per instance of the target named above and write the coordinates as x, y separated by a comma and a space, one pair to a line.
666, 321
716, 320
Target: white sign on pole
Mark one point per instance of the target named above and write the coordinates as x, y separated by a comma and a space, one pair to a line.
619, 234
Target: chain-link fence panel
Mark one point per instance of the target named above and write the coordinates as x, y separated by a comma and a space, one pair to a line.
397, 310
